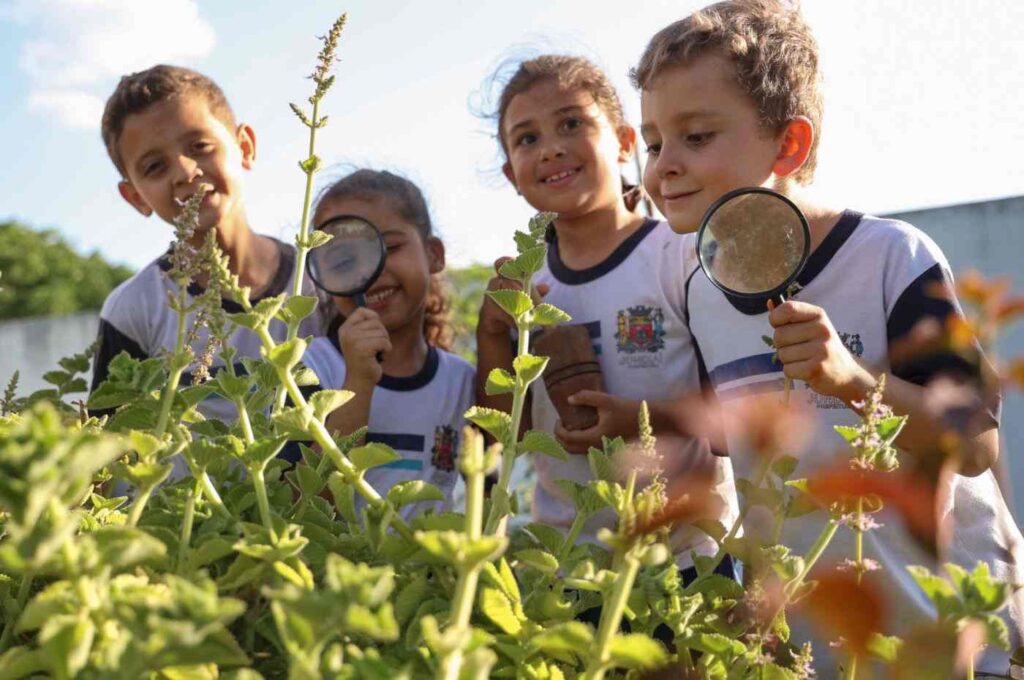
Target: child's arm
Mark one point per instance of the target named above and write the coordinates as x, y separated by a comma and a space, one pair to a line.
811, 350
361, 337
494, 345
619, 417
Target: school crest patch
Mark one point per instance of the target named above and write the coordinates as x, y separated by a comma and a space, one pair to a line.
639, 330
443, 454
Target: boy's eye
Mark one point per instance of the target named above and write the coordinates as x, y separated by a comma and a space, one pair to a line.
654, 149
699, 138
573, 123
152, 168
203, 147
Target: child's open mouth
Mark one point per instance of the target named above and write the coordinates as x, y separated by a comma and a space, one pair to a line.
561, 177
380, 297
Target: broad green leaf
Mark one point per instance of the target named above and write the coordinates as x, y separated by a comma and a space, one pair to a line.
372, 455
545, 314
637, 651
935, 587
410, 597
514, 302
57, 378
510, 269
413, 491
571, 636
848, 433
538, 559
538, 441
325, 402
55, 600
884, 647
297, 307
497, 423
67, 641
22, 662
784, 466
496, 606
531, 260
499, 381
122, 547
232, 387
287, 354
261, 452
318, 238
528, 367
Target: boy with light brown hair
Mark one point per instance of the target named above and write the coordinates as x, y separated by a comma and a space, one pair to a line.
730, 98
168, 131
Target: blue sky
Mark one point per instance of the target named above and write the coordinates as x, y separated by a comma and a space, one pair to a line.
922, 103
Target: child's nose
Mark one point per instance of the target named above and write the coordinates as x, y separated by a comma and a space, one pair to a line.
186, 170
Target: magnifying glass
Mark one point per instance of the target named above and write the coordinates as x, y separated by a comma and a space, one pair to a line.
351, 262
753, 243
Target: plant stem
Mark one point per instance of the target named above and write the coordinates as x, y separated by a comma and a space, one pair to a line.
469, 577
167, 395
260, 484
508, 452
327, 444
611, 616
138, 505
23, 591
186, 526
824, 538
859, 538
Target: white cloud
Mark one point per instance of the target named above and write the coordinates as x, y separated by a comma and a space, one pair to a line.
75, 50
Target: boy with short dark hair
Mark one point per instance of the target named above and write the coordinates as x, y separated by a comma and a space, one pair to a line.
730, 99
168, 131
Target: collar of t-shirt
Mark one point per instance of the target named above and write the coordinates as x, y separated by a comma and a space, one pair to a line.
575, 277
816, 263
405, 383
279, 284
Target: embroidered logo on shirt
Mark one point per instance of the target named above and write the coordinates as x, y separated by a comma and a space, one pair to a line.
852, 342
640, 330
443, 453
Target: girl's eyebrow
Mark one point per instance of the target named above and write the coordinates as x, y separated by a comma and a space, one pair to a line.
573, 108
684, 117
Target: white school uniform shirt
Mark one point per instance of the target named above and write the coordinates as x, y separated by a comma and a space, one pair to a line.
874, 278
632, 304
137, 319
420, 416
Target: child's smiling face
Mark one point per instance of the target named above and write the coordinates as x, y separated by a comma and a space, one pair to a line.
399, 294
704, 139
176, 145
563, 152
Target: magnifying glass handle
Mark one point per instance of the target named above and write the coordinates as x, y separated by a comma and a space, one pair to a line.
787, 382
360, 300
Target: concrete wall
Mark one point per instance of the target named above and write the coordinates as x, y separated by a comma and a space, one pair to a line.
33, 346
988, 237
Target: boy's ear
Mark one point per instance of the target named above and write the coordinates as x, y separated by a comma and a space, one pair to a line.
435, 255
133, 198
794, 146
509, 175
627, 142
247, 143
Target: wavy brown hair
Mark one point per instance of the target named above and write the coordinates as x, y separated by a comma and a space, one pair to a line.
571, 73
408, 201
772, 48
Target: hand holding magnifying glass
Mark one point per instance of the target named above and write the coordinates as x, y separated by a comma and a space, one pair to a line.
753, 243
351, 262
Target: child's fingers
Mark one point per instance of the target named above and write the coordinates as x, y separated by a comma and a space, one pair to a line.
577, 441
803, 351
794, 311
796, 333
592, 398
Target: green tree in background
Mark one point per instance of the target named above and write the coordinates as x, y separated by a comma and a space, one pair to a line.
466, 287
43, 275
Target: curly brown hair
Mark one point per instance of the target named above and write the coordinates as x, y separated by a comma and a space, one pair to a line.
407, 199
136, 92
775, 54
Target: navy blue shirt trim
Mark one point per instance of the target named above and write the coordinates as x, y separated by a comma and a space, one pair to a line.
575, 277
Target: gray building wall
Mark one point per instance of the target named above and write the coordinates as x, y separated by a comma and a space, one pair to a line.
987, 236
33, 346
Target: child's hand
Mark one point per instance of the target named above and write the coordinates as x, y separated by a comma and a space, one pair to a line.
616, 417
493, 319
811, 350
361, 337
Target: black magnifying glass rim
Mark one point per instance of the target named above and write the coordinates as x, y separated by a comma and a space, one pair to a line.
311, 267
774, 292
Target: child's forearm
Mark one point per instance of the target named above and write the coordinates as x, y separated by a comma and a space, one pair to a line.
924, 432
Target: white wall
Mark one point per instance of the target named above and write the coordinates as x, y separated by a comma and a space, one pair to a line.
33, 346
988, 237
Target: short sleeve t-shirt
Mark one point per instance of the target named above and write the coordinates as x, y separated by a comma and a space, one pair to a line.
632, 305
420, 416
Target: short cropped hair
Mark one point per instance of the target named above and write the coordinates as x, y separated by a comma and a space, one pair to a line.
775, 54
138, 91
